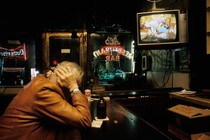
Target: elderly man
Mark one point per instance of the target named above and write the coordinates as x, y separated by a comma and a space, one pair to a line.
48, 108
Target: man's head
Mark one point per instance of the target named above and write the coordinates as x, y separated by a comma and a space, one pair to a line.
72, 67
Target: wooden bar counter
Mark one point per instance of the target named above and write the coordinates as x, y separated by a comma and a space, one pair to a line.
124, 124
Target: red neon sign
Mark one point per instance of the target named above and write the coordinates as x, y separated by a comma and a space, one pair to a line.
18, 52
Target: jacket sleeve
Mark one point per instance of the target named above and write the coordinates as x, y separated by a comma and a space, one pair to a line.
51, 106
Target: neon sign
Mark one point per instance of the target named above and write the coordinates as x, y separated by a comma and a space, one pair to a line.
113, 50
19, 52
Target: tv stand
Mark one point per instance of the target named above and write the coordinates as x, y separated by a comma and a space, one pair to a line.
154, 7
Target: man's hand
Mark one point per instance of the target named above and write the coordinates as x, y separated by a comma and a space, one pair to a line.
66, 78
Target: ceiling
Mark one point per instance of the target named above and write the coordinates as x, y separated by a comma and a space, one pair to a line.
68, 15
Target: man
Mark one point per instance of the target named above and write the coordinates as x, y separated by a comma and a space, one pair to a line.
48, 108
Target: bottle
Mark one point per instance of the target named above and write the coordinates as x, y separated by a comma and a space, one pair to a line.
101, 108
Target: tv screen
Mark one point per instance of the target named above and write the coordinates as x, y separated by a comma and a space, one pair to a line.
158, 27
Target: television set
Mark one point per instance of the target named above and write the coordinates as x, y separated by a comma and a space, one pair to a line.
161, 27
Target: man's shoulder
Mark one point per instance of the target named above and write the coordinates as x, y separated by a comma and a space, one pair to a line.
39, 80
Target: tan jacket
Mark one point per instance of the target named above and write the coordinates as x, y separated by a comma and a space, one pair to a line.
41, 111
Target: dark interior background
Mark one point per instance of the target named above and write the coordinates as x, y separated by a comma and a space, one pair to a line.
35, 17
67, 15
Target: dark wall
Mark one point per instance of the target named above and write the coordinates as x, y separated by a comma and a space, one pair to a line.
197, 44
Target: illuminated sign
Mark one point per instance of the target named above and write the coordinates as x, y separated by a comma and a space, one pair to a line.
113, 50
19, 52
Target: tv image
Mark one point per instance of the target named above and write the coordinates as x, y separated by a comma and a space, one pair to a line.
161, 27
